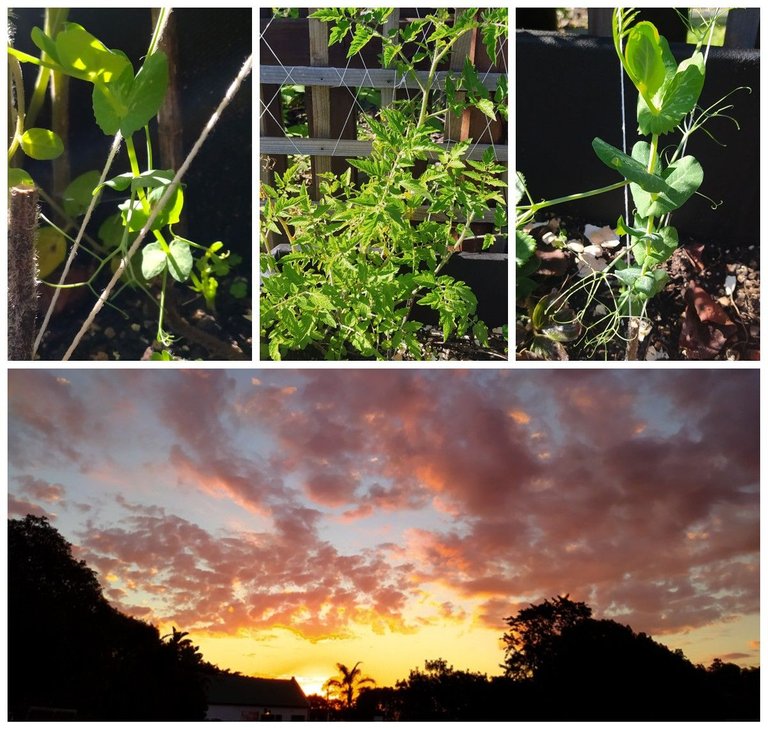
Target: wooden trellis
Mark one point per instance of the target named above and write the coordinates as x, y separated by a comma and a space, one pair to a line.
296, 51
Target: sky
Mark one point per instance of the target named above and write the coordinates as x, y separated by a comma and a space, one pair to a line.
292, 519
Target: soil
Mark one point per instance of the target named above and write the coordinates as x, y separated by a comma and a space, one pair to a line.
128, 333
708, 310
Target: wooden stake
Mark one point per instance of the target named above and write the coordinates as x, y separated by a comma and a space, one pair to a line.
22, 272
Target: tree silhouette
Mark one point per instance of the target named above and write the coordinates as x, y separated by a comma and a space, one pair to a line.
68, 649
347, 683
532, 632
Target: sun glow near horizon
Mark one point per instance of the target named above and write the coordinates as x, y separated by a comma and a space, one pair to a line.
290, 520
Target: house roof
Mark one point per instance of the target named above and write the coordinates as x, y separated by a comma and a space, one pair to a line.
231, 689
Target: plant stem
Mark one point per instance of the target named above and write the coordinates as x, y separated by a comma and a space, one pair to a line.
535, 207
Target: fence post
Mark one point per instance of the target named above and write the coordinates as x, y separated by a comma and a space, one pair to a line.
457, 127
392, 22
320, 117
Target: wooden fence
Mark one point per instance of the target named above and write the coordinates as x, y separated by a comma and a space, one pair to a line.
296, 51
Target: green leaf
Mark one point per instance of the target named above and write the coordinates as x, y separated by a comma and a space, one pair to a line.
339, 31
41, 144
486, 107
135, 217
78, 194
45, 44
628, 166
51, 248
120, 182
629, 275
643, 60
127, 104
110, 102
147, 93
525, 245
361, 37
153, 260
17, 176
238, 289
389, 52
84, 56
327, 15
491, 34
677, 97
274, 349
112, 230
320, 301
682, 179
180, 261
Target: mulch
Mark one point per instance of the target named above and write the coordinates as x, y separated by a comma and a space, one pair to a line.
708, 310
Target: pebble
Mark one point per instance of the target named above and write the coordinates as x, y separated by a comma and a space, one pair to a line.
101, 355
576, 246
109, 333
596, 251
136, 327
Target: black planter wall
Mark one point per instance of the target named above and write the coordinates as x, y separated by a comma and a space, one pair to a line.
568, 93
212, 46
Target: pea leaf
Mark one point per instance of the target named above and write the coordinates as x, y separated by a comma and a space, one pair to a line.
628, 166
17, 176
147, 93
643, 60
135, 217
84, 56
153, 260
180, 262
676, 98
127, 103
41, 144
51, 248
77, 195
682, 179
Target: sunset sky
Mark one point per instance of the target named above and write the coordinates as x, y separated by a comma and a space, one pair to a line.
293, 519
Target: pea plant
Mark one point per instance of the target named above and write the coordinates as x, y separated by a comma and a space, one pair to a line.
362, 256
124, 103
661, 178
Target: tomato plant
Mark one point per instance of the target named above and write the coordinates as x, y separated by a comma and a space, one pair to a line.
362, 256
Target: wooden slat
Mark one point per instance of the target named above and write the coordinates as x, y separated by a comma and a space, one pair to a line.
348, 148
377, 78
420, 214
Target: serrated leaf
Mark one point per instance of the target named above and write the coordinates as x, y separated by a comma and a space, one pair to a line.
320, 301
486, 107
525, 245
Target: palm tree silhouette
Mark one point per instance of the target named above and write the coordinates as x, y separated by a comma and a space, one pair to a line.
347, 682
